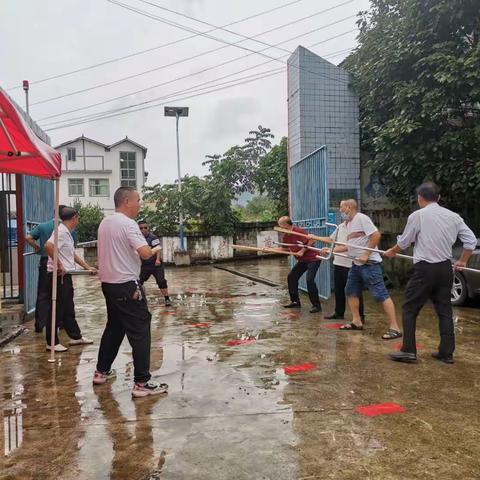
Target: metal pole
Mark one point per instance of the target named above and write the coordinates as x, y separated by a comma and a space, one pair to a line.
26, 87
180, 209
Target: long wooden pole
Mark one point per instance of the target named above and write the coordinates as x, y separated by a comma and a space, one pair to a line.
304, 235
55, 270
264, 249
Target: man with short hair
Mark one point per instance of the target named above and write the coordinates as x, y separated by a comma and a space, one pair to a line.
42, 233
306, 262
154, 266
67, 258
366, 270
341, 267
121, 245
433, 230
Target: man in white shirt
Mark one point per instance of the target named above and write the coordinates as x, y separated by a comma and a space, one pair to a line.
67, 258
121, 245
366, 270
341, 267
433, 229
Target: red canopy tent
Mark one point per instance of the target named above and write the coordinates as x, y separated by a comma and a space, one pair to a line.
22, 152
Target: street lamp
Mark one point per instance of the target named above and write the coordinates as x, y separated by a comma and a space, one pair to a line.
178, 112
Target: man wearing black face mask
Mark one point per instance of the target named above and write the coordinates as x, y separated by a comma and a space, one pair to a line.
341, 267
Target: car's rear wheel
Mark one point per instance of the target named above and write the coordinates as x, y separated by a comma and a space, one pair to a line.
459, 289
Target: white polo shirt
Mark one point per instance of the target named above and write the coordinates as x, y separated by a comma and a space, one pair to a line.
66, 248
119, 238
341, 237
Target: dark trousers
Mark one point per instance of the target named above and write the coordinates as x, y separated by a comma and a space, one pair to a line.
158, 273
430, 281
65, 309
340, 275
43, 295
127, 314
294, 276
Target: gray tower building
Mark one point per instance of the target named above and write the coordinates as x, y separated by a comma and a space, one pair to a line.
323, 110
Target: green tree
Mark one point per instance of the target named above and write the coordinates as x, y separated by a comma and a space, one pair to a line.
258, 209
90, 218
271, 176
416, 71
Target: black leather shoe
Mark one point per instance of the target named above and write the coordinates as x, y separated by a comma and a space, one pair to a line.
443, 358
333, 316
316, 309
293, 305
403, 357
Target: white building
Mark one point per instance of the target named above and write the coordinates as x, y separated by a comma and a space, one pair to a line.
92, 171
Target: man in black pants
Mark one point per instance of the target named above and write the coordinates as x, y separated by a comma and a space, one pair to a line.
42, 233
65, 306
307, 262
341, 267
154, 266
434, 230
120, 245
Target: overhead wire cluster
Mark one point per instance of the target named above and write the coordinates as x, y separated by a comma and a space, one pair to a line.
199, 89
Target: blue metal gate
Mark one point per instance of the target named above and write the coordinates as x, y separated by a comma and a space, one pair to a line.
309, 206
38, 207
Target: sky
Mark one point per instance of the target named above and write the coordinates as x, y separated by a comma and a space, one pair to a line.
43, 39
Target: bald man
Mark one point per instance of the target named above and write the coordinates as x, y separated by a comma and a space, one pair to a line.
306, 262
366, 271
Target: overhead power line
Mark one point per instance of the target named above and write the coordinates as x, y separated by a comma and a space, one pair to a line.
194, 57
172, 81
158, 47
100, 117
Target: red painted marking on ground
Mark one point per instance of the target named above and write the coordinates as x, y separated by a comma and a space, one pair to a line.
291, 315
168, 313
398, 346
303, 367
380, 409
199, 325
234, 343
333, 326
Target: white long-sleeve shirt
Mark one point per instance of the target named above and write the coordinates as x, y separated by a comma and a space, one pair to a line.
434, 230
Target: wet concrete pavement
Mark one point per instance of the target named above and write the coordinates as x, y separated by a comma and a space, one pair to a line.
232, 412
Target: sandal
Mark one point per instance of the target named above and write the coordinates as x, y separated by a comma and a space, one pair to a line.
391, 334
351, 326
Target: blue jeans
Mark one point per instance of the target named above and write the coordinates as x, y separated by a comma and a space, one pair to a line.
369, 276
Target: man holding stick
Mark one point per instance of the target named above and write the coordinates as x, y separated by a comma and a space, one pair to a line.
307, 262
121, 245
341, 267
67, 258
366, 270
433, 230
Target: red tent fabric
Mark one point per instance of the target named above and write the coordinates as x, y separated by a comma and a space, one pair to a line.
21, 151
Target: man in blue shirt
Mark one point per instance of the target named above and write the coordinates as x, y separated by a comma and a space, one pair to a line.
41, 233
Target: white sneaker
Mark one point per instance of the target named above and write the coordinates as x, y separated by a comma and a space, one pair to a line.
81, 341
58, 348
148, 388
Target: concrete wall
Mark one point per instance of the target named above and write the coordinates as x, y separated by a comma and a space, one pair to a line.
205, 248
323, 110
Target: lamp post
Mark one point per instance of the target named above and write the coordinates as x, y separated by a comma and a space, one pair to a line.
178, 112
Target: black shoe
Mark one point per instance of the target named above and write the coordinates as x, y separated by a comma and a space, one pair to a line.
443, 358
316, 309
168, 303
293, 305
38, 329
333, 316
403, 357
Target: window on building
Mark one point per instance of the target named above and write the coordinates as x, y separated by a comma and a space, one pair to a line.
99, 187
75, 187
71, 154
128, 169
